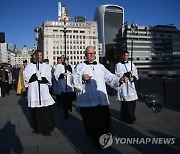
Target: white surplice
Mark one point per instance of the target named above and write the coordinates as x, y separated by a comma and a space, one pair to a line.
128, 90
63, 81
33, 88
93, 92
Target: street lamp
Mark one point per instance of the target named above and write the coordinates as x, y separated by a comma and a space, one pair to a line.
64, 18
37, 31
134, 28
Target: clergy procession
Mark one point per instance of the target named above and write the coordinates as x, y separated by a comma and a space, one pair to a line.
84, 85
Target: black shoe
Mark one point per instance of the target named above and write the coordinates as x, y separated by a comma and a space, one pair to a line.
47, 134
34, 132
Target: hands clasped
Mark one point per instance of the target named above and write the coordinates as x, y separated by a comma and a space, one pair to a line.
38, 74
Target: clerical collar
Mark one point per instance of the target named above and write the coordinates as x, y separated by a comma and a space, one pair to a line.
34, 62
90, 63
124, 62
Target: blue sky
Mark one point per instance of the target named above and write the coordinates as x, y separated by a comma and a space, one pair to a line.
18, 18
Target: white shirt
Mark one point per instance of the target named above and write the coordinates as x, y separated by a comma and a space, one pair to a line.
93, 92
33, 88
128, 90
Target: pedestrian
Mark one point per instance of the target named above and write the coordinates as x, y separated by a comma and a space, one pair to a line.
21, 89
128, 95
37, 77
89, 80
15, 76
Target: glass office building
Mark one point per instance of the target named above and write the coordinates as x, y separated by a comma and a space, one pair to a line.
110, 20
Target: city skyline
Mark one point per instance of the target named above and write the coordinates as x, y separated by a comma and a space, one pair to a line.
19, 18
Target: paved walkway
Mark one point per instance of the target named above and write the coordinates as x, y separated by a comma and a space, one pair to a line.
69, 136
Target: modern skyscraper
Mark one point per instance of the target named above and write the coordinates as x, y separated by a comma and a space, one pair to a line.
110, 19
62, 8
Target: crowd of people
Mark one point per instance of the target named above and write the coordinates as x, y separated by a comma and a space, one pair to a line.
86, 84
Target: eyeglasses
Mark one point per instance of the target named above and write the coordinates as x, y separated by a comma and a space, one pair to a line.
91, 53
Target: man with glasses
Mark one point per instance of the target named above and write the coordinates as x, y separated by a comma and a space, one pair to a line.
89, 80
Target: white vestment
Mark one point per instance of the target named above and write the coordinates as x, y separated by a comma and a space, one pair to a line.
33, 87
128, 90
93, 92
63, 82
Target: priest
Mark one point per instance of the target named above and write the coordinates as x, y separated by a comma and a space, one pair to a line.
37, 78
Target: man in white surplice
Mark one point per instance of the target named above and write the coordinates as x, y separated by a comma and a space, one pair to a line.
128, 95
37, 76
89, 80
62, 75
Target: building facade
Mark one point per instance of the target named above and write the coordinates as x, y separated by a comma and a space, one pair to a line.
23, 54
3, 53
154, 48
79, 35
11, 53
110, 19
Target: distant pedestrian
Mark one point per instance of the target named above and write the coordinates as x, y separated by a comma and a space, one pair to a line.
15, 76
21, 89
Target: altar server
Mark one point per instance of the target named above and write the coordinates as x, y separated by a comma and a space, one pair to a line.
89, 80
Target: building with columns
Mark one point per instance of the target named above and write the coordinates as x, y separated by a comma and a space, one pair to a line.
23, 54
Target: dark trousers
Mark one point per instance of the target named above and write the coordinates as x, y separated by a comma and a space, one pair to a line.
97, 120
59, 100
67, 99
128, 111
42, 119
4, 88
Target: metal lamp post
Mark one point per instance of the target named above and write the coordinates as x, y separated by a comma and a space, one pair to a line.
133, 29
64, 19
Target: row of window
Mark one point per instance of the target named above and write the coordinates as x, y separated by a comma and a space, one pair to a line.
68, 52
71, 57
70, 42
72, 63
71, 36
69, 47
77, 24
